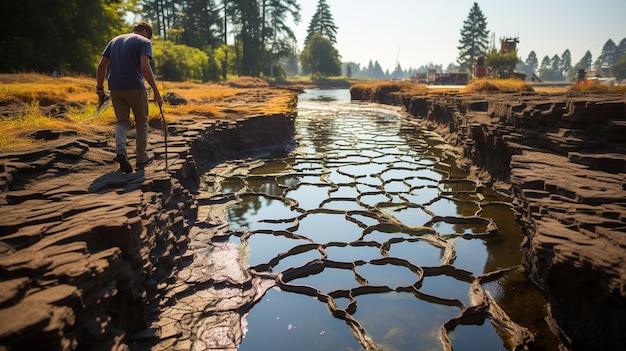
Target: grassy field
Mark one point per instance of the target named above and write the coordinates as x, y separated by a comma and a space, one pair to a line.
24, 97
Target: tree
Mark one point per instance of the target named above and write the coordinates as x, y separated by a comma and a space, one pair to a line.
322, 23
584, 63
502, 64
545, 62
163, 15
621, 49
566, 63
555, 62
201, 24
607, 56
532, 63
62, 35
550, 68
178, 62
278, 37
320, 58
619, 68
246, 19
398, 73
474, 38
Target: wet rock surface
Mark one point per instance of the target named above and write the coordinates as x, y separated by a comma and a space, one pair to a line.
563, 158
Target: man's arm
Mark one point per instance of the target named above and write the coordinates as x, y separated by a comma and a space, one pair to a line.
102, 71
146, 70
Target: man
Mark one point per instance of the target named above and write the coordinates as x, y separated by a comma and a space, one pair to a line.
127, 57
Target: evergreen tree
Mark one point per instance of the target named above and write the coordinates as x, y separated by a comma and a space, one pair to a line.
398, 73
163, 15
278, 37
474, 38
555, 62
370, 67
584, 63
201, 24
545, 62
566, 63
532, 63
377, 71
621, 49
322, 23
247, 20
619, 68
607, 56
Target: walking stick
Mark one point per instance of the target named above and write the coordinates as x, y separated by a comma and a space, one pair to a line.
164, 133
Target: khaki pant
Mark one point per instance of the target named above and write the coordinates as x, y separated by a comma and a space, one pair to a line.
123, 102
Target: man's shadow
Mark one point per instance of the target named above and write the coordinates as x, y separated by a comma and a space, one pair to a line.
118, 181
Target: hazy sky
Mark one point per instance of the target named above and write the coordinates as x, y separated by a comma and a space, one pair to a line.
419, 32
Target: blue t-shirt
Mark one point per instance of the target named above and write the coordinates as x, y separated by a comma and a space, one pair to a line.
124, 53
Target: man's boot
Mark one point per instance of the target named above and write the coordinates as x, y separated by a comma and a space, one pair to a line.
121, 132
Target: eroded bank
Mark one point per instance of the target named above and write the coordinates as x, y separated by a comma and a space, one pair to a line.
563, 159
90, 257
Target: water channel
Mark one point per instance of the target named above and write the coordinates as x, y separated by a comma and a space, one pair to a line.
377, 240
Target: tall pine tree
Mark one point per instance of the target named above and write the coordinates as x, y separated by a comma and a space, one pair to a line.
474, 38
607, 56
278, 37
566, 63
319, 56
532, 63
322, 23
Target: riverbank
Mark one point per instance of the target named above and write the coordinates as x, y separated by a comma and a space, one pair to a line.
563, 159
92, 258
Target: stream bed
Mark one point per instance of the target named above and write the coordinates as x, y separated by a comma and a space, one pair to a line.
376, 240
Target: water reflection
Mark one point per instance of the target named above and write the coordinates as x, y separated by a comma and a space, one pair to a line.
371, 217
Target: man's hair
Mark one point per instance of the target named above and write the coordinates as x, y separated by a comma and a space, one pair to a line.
141, 25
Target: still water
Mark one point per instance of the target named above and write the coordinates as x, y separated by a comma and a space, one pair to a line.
376, 238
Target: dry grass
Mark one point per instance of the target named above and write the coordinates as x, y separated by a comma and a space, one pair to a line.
242, 97
16, 132
485, 85
378, 86
599, 88
46, 90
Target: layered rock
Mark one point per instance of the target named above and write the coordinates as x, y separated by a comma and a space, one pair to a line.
563, 159
89, 256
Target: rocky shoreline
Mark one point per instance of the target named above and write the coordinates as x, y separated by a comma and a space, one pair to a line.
92, 258
562, 157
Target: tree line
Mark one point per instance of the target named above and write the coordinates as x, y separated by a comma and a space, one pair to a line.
475, 40
612, 60
194, 39
206, 40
